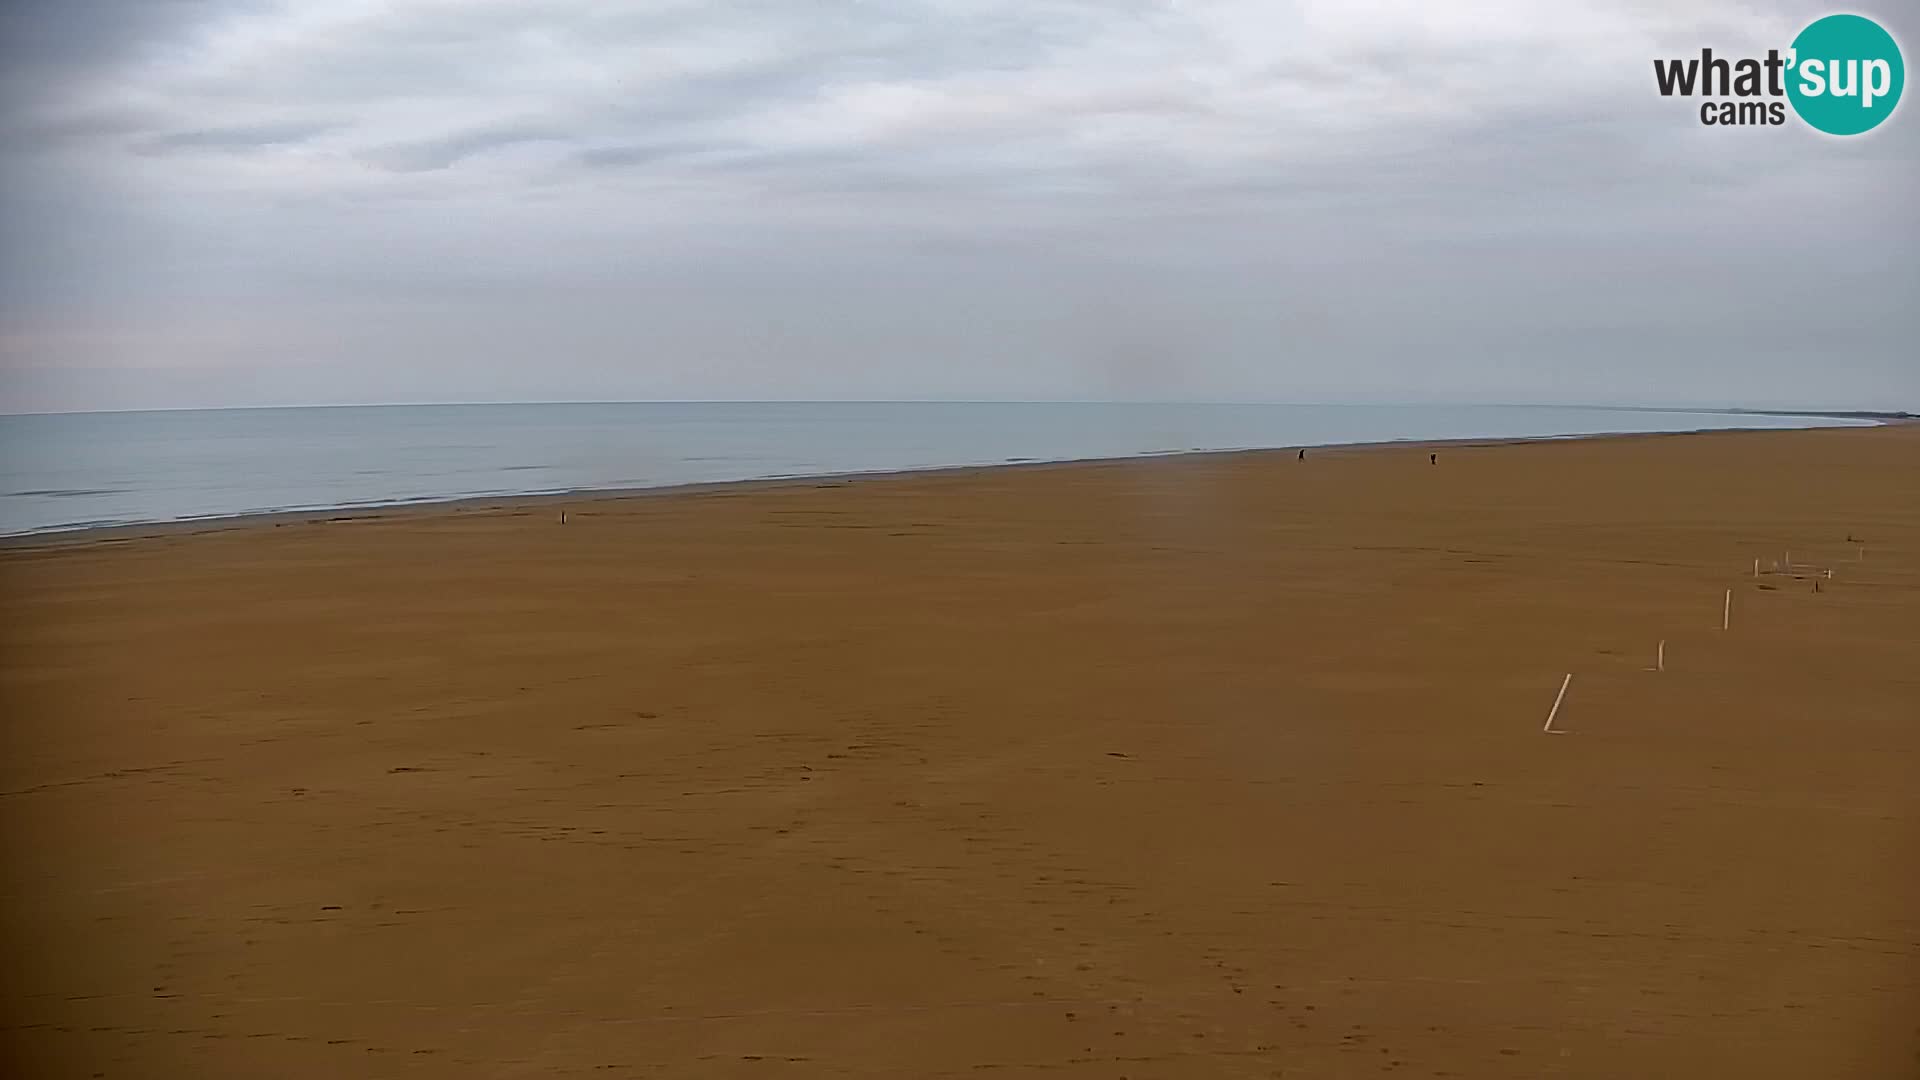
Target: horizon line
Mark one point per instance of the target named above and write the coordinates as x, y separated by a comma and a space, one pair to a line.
1798, 410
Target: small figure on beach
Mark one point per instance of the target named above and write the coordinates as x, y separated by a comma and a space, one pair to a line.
1303, 454
1433, 459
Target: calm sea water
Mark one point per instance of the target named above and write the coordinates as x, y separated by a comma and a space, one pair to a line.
78, 470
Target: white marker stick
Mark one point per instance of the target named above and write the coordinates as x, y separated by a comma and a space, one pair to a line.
1829, 573
1756, 568
1660, 657
1555, 711
1726, 612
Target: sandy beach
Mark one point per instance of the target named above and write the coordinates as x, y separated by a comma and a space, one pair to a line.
1226, 766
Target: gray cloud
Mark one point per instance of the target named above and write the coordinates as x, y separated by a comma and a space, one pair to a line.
445, 151
241, 138
69, 36
997, 198
632, 155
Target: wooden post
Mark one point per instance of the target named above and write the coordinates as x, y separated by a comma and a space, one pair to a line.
1555, 711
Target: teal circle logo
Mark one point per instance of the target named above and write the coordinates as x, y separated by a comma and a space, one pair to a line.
1845, 74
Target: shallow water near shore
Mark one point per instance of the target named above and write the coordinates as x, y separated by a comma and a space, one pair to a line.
81, 470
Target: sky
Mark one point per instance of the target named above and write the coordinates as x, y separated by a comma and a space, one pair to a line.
238, 202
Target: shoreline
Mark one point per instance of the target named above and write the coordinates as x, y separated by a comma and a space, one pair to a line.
61, 537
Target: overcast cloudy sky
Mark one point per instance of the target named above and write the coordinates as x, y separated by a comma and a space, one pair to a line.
215, 202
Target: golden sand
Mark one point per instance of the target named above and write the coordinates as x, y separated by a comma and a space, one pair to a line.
1190, 767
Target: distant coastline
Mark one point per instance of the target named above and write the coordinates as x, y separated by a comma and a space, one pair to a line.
1878, 415
1843, 414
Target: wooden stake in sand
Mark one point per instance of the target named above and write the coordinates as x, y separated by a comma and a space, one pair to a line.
1756, 568
1555, 711
1726, 612
1660, 656
563, 517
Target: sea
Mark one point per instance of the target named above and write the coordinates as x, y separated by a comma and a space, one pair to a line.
80, 470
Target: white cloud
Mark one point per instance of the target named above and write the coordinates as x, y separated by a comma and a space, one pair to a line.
524, 90
405, 158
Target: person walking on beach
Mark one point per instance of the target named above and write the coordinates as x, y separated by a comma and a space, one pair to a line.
1303, 454
1433, 459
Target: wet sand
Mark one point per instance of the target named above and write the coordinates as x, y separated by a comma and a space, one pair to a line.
1182, 767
